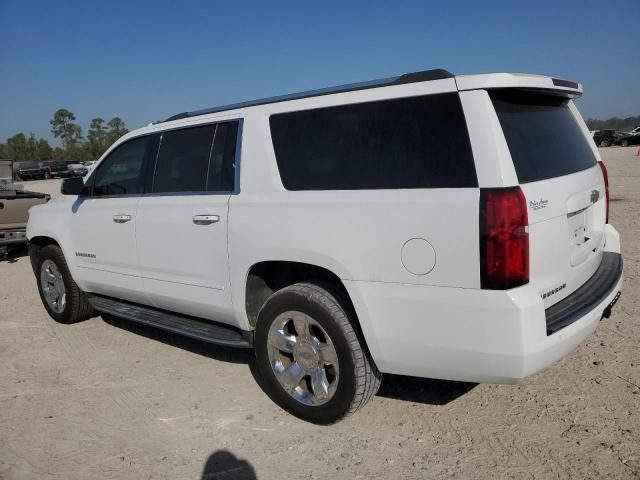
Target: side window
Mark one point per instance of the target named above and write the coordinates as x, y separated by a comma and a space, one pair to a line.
121, 172
197, 159
223, 158
419, 142
183, 160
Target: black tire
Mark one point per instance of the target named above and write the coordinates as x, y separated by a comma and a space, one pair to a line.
624, 143
46, 176
604, 143
359, 378
77, 307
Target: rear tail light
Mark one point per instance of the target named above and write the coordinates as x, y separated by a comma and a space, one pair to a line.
504, 238
606, 189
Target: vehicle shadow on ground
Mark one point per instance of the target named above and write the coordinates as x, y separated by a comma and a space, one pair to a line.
410, 389
13, 254
423, 390
215, 352
223, 464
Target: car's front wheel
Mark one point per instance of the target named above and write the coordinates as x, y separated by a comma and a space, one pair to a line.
624, 143
60, 295
311, 356
604, 143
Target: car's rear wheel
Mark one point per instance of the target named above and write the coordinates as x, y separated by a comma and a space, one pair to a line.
311, 355
624, 143
60, 295
604, 143
47, 175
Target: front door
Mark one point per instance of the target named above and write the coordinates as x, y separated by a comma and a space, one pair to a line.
103, 224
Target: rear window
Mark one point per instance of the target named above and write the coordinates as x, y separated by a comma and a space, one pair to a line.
418, 142
544, 138
197, 159
183, 160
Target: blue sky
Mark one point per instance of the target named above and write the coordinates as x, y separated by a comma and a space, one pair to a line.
144, 61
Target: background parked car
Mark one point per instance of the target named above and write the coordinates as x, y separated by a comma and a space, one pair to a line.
626, 139
55, 168
14, 205
605, 138
90, 165
77, 170
30, 171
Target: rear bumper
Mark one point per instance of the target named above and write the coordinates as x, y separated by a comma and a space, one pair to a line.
471, 334
11, 237
596, 290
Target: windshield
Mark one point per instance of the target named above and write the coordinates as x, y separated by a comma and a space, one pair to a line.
544, 138
29, 165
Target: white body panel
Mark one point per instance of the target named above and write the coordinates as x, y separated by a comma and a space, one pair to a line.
184, 265
465, 334
433, 322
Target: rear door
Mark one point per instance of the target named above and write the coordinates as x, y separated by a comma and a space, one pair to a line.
182, 223
558, 172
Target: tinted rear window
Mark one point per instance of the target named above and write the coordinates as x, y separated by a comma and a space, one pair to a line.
197, 159
418, 142
543, 137
183, 160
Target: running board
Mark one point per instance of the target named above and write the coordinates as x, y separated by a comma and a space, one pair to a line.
193, 327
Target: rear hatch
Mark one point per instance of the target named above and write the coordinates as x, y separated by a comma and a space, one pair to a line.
563, 185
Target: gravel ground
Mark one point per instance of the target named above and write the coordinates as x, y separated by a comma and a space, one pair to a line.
105, 399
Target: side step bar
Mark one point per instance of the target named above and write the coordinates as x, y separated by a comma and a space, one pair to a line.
201, 329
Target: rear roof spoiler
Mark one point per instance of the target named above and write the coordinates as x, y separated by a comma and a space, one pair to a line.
491, 81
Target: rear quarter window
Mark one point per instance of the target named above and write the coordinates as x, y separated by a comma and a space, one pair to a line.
543, 136
417, 142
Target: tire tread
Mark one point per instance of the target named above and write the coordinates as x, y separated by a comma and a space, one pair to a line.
368, 377
77, 301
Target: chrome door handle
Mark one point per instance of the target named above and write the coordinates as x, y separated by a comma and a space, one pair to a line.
121, 218
205, 219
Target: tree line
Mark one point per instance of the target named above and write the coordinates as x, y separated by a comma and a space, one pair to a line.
100, 136
620, 124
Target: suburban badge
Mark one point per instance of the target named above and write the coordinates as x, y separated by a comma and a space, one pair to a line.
538, 204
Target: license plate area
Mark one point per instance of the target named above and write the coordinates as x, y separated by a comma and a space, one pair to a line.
578, 227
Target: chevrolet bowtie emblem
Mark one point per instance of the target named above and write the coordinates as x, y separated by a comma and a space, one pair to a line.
595, 195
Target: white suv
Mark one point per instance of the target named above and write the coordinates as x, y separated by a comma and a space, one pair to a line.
426, 225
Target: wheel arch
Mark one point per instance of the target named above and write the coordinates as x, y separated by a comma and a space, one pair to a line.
264, 278
36, 244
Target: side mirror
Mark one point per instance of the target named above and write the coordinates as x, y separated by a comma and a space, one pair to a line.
73, 186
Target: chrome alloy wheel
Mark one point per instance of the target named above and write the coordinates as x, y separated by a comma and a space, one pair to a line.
303, 358
52, 286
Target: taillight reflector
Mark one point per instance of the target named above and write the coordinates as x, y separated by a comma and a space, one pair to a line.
504, 238
606, 188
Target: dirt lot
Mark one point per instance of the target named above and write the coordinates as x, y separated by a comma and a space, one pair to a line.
104, 399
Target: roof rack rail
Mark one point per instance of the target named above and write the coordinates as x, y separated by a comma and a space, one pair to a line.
424, 76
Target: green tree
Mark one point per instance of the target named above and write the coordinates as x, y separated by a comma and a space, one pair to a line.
97, 138
18, 148
62, 127
3, 151
621, 124
22, 148
59, 154
44, 150
117, 128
